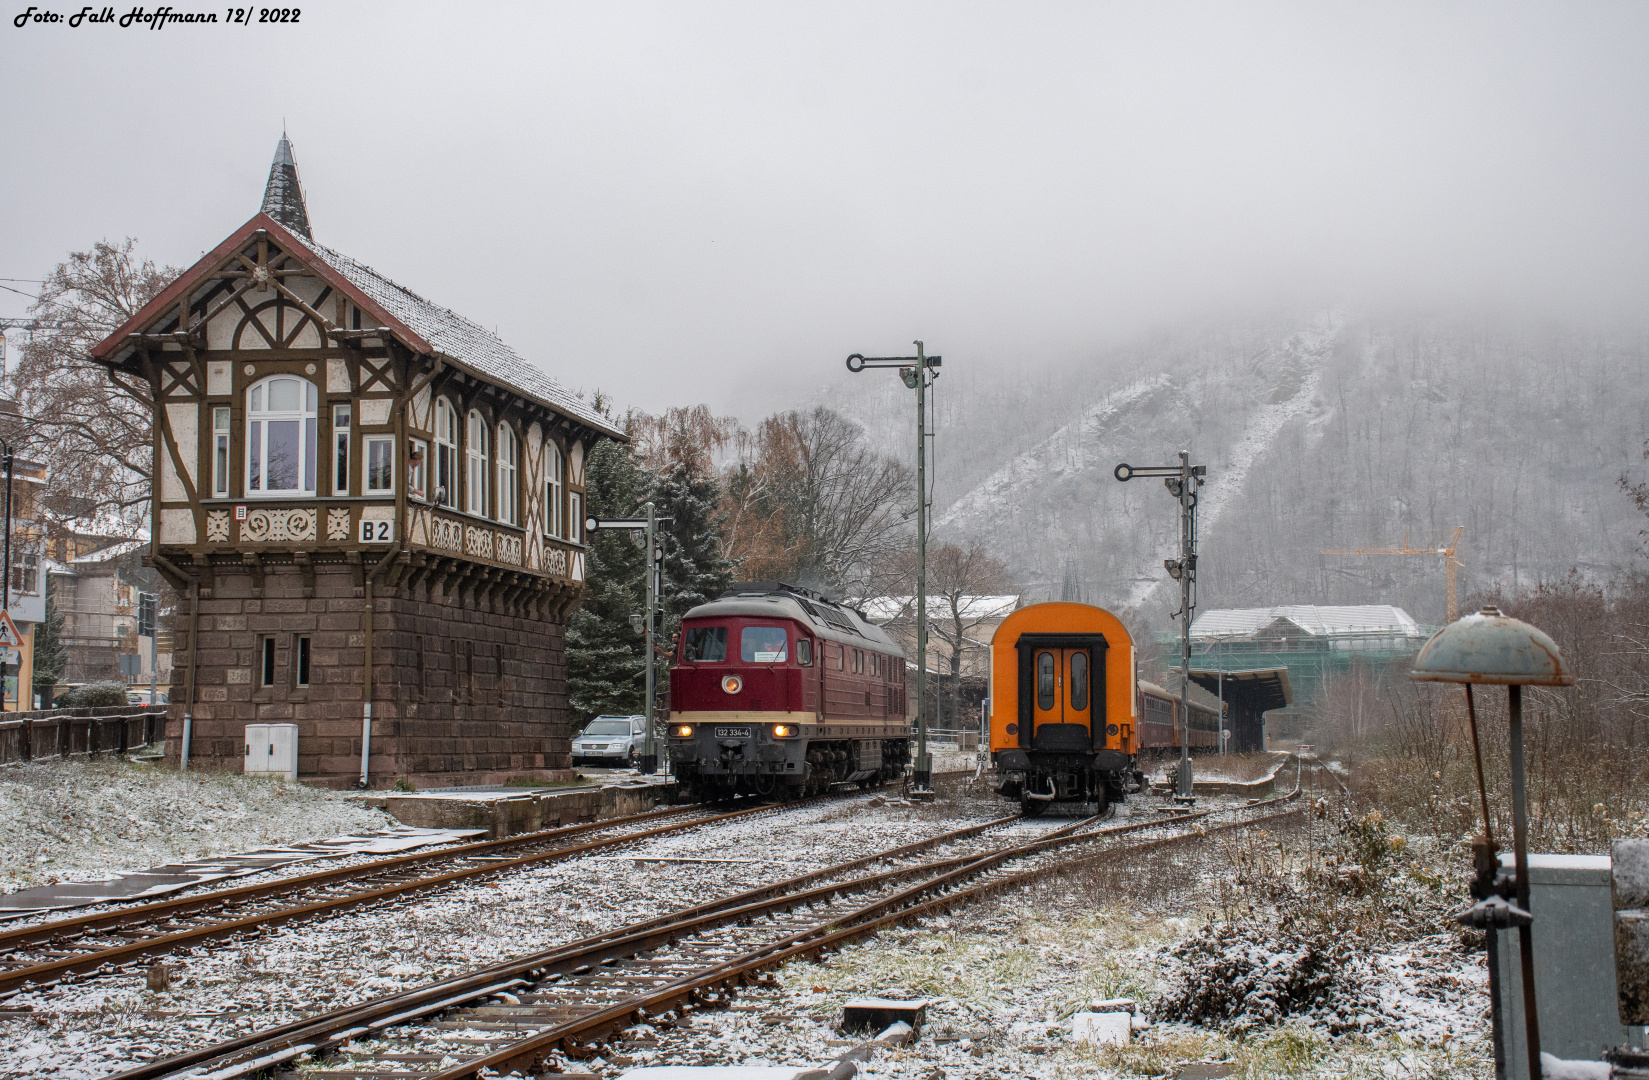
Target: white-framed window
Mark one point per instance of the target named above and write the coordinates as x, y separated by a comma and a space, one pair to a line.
508, 499
446, 454
575, 516
340, 449
417, 467
554, 503
378, 457
280, 436
475, 481
25, 572
220, 451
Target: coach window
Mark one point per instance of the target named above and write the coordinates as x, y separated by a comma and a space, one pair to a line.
763, 645
1045, 681
1079, 681
804, 652
706, 643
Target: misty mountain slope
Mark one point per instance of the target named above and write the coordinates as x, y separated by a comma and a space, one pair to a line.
1342, 434
1518, 436
1060, 501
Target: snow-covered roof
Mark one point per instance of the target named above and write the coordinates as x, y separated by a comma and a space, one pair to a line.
883, 609
424, 324
112, 551
455, 336
1309, 618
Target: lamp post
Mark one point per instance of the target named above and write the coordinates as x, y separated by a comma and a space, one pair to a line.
1489, 647
655, 587
918, 374
1182, 482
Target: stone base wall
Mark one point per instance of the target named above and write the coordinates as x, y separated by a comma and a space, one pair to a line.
462, 694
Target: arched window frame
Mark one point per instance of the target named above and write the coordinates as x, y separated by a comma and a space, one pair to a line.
477, 475
261, 421
555, 499
446, 454
509, 499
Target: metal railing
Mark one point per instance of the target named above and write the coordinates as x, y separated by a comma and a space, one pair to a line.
63, 733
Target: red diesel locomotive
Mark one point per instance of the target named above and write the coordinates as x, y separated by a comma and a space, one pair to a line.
777, 691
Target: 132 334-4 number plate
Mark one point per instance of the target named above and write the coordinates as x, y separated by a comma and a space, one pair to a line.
732, 733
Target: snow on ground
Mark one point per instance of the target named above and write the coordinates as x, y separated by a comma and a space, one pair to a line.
87, 820
1004, 979
87, 1030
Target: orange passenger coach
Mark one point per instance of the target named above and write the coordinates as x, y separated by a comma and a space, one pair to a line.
1063, 722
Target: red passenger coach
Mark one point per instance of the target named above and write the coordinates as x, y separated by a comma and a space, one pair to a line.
777, 691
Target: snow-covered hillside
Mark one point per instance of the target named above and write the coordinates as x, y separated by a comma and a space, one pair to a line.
1331, 432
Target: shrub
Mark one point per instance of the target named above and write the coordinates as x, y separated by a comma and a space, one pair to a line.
98, 695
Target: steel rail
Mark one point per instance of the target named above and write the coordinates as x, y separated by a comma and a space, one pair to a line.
527, 1053
291, 1040
120, 955
138, 914
590, 950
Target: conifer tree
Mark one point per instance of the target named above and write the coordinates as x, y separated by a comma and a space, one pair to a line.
695, 570
605, 663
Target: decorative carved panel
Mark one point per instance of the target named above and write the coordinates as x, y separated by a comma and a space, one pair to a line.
337, 523
278, 526
509, 549
448, 534
478, 541
217, 526
555, 561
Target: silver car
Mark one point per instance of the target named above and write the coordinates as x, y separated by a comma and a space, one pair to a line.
611, 740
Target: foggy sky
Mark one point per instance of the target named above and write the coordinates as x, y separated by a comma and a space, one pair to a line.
681, 202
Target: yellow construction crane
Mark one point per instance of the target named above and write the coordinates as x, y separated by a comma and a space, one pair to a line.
1447, 551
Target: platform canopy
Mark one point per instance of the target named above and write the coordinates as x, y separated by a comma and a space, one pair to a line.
1258, 689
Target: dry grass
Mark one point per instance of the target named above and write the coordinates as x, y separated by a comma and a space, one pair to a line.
1409, 745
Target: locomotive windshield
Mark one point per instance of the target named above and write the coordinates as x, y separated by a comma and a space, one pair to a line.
764, 644
708, 643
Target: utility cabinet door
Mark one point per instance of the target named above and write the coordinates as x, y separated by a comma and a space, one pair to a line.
283, 750
257, 749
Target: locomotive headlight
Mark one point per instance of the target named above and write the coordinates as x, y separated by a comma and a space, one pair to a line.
682, 731
732, 684
784, 731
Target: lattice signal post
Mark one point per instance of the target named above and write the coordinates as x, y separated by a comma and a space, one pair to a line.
1182, 481
918, 373
650, 617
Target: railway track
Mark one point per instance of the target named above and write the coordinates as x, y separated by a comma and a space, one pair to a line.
44, 954
520, 1014
101, 942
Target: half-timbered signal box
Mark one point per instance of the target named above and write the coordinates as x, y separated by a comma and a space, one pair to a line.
371, 507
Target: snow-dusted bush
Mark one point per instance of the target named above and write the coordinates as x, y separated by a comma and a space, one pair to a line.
1238, 977
97, 695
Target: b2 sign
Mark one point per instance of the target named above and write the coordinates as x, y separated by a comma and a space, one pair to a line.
377, 532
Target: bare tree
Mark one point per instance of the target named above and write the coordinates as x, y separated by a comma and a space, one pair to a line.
963, 583
91, 427
831, 510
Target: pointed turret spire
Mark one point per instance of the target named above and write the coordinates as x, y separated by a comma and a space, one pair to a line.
283, 196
